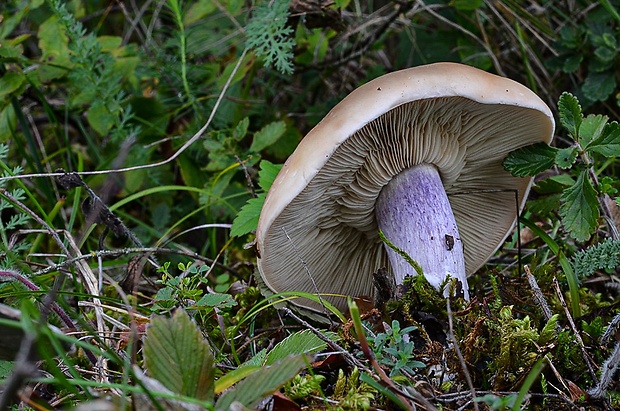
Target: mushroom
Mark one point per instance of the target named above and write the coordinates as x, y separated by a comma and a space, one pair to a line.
416, 154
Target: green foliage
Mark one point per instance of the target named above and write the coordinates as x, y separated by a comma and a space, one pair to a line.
302, 342
351, 392
270, 37
185, 290
90, 89
303, 386
247, 218
94, 69
262, 383
519, 346
579, 208
498, 402
591, 46
17, 218
177, 355
591, 136
394, 350
602, 256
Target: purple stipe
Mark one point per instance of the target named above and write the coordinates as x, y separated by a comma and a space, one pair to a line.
414, 213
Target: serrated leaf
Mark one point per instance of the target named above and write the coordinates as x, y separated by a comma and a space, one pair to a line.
591, 128
217, 300
565, 157
268, 135
232, 377
599, 86
302, 342
262, 383
608, 144
267, 173
572, 63
179, 357
246, 220
579, 209
570, 113
530, 160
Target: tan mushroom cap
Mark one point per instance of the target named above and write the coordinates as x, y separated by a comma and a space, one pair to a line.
317, 230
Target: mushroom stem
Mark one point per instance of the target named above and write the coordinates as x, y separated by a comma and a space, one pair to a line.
414, 213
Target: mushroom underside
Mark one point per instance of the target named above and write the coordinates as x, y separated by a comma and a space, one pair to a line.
326, 239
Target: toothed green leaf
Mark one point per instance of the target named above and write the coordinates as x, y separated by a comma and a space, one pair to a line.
579, 209
530, 160
570, 113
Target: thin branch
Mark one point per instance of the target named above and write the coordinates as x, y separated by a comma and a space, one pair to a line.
180, 151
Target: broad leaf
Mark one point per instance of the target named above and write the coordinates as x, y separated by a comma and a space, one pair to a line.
591, 129
246, 220
268, 172
608, 144
530, 160
570, 113
268, 135
217, 300
262, 383
100, 118
599, 86
302, 342
579, 209
10, 82
565, 157
179, 357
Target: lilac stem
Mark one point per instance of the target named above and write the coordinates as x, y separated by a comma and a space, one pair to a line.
414, 213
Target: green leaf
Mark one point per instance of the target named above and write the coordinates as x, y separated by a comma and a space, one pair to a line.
269, 35
8, 123
241, 129
608, 144
268, 172
217, 300
268, 135
246, 220
53, 43
565, 157
6, 368
466, 5
100, 118
262, 383
198, 10
10, 82
302, 342
591, 129
570, 113
572, 63
179, 357
579, 209
599, 86
549, 330
530, 160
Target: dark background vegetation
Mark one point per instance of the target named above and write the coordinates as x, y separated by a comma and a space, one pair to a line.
93, 86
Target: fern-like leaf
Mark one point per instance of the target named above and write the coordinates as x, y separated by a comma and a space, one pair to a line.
269, 36
602, 256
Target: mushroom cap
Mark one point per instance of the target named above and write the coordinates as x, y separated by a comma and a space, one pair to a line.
317, 231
